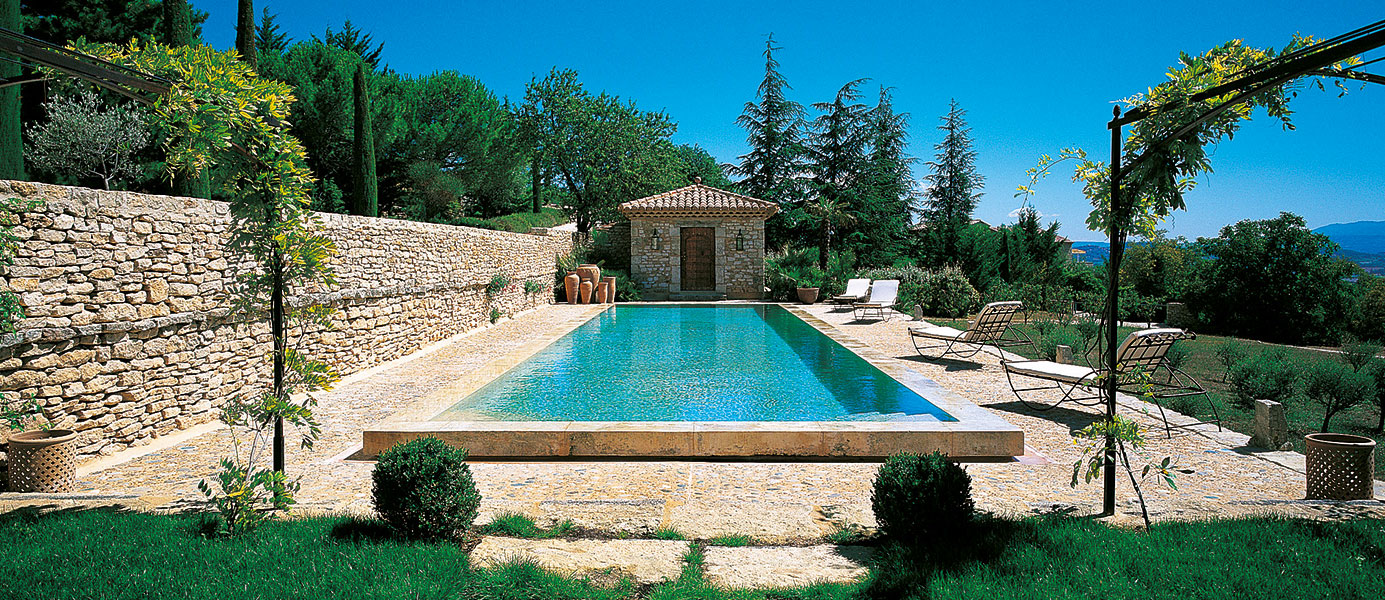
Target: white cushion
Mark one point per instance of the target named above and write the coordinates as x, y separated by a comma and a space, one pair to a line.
938, 333
1045, 369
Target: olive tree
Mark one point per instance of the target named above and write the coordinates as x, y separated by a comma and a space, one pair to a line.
85, 138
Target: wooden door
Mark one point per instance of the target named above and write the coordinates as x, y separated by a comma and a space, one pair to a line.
699, 259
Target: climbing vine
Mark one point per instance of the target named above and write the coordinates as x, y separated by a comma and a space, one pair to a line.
218, 111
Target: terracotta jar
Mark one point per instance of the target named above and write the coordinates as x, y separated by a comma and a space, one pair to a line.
590, 273
586, 292
602, 290
43, 461
610, 288
570, 286
807, 295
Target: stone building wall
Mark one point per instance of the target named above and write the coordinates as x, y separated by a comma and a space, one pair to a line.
740, 274
129, 335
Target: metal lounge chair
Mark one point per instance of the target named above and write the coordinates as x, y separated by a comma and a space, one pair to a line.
1142, 371
883, 295
856, 291
990, 328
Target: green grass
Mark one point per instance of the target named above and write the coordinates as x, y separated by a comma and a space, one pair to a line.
521, 222
730, 540
521, 526
1201, 364
110, 555
668, 533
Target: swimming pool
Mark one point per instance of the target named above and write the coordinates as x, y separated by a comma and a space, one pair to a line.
709, 380
695, 363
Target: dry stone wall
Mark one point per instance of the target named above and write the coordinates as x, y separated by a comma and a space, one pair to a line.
129, 334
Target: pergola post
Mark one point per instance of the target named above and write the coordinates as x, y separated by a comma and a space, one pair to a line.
1117, 242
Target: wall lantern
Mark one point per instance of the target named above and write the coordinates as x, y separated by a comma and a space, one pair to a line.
740, 239
655, 239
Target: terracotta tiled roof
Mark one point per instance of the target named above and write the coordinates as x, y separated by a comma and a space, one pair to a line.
698, 200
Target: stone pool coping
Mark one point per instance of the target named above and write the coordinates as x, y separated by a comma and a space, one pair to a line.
976, 434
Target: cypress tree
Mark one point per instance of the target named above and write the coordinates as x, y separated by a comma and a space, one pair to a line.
365, 197
245, 33
177, 23
770, 171
954, 185
11, 137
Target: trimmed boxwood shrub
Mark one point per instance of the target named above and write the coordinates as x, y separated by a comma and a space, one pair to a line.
918, 497
423, 489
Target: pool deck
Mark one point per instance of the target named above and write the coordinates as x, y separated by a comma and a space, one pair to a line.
770, 500
975, 434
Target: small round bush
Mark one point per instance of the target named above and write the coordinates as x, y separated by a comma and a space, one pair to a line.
918, 497
423, 489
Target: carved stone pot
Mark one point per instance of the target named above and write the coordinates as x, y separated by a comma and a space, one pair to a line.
590, 273
807, 295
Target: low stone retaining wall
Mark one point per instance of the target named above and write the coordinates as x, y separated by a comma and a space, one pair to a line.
130, 335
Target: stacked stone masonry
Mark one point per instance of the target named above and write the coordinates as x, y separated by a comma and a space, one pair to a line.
740, 273
129, 333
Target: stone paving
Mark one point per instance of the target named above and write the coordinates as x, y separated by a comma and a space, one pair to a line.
773, 502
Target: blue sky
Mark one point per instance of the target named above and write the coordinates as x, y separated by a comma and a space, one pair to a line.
1033, 76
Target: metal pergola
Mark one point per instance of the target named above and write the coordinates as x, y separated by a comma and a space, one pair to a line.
1315, 60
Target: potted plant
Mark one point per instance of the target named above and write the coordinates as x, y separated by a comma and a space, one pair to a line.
42, 460
809, 284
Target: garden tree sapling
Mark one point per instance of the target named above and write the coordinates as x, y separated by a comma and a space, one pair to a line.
84, 138
243, 131
1334, 387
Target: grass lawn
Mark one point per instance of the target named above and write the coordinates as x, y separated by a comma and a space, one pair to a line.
1304, 417
102, 554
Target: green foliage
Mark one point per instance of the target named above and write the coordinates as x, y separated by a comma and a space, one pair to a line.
11, 215
522, 222
626, 290
246, 496
1229, 353
100, 21
355, 41
1129, 438
18, 413
423, 489
1048, 343
11, 138
269, 38
177, 24
954, 184
1269, 375
668, 533
1177, 355
918, 498
602, 150
365, 195
85, 138
245, 32
792, 268
1273, 280
1334, 387
1376, 370
534, 287
835, 153
1367, 319
495, 315
497, 284
1359, 354
942, 292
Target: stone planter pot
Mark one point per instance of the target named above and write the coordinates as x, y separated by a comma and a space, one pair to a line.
43, 461
570, 284
602, 290
590, 273
610, 289
585, 292
1340, 466
807, 295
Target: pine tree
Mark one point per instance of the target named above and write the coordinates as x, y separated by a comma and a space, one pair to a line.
354, 40
365, 197
11, 137
887, 184
954, 185
268, 36
771, 170
245, 33
836, 156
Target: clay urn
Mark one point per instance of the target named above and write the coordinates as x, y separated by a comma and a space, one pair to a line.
570, 286
601, 292
43, 461
586, 292
590, 273
610, 288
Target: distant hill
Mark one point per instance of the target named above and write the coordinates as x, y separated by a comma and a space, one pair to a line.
1372, 262
1366, 237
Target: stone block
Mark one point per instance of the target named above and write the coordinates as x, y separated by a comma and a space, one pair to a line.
1064, 354
1271, 428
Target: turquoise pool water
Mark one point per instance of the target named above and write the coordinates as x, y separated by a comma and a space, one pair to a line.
695, 363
